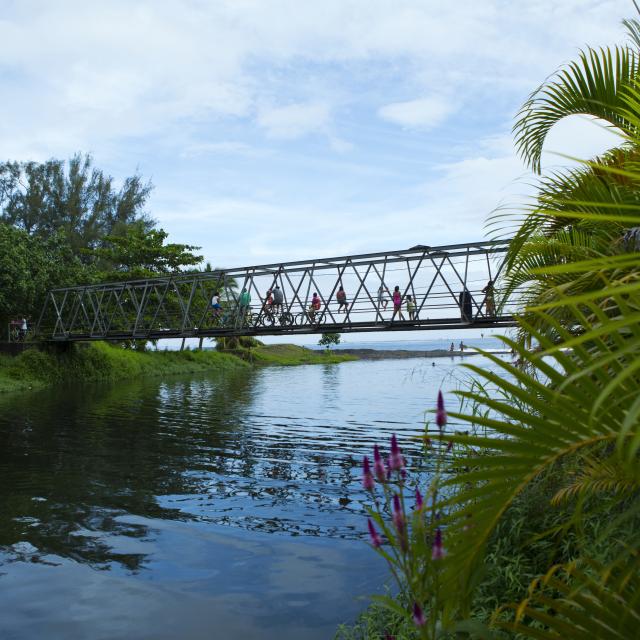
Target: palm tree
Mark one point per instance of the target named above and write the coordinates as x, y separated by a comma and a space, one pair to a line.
580, 213
577, 402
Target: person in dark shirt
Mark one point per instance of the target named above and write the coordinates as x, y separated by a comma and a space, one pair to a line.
341, 297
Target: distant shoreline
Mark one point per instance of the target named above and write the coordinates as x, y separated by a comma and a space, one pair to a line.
399, 354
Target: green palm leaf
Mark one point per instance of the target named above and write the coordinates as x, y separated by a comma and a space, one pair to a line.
592, 86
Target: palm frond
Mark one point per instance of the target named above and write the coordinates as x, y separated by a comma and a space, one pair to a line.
589, 602
592, 86
599, 477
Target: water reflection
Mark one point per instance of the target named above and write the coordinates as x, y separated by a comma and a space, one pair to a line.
261, 451
169, 489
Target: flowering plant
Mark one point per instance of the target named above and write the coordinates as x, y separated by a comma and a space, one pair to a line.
405, 529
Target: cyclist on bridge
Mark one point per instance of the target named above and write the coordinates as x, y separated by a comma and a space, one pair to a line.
216, 307
314, 307
278, 298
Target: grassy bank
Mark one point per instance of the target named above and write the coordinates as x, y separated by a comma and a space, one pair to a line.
291, 354
99, 361
36, 369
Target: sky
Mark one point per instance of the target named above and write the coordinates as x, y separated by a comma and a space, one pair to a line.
276, 129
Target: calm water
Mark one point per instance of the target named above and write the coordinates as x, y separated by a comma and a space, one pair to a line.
209, 507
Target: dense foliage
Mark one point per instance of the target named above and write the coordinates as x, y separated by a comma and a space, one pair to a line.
141, 253
29, 266
66, 223
539, 506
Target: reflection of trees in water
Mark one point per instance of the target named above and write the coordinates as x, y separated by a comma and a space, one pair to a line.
330, 384
186, 449
67, 480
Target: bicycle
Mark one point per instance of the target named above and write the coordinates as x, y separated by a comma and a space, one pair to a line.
269, 318
309, 317
231, 319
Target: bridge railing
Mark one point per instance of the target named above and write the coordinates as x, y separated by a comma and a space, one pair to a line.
449, 286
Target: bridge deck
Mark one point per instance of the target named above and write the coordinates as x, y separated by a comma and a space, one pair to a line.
441, 287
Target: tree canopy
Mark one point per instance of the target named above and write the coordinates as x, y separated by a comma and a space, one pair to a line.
141, 253
66, 223
30, 266
74, 197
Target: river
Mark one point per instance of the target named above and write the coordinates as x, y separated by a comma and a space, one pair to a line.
218, 506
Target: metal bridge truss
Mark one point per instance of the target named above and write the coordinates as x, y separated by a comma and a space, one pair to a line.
179, 305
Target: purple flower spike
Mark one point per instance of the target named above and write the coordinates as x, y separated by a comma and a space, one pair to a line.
396, 461
376, 540
398, 514
449, 446
378, 465
418, 615
437, 550
367, 477
419, 501
441, 414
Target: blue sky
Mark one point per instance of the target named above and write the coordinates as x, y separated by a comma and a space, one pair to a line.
276, 130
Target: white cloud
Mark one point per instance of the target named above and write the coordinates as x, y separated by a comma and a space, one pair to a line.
95, 73
578, 137
228, 147
424, 113
294, 120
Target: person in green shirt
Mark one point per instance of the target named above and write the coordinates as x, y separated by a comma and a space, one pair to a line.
245, 300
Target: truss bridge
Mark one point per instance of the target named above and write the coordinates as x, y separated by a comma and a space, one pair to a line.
442, 287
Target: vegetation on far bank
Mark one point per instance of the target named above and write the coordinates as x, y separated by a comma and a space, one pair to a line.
254, 351
291, 354
100, 361
34, 369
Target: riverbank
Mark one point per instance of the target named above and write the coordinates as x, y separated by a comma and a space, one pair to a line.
34, 369
99, 361
291, 354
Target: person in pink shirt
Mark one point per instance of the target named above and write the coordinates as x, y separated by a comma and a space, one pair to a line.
396, 296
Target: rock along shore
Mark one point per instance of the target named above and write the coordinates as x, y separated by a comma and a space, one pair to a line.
398, 354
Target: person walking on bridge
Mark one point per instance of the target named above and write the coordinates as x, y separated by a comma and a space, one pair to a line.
382, 301
341, 297
397, 303
411, 307
489, 299
244, 302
